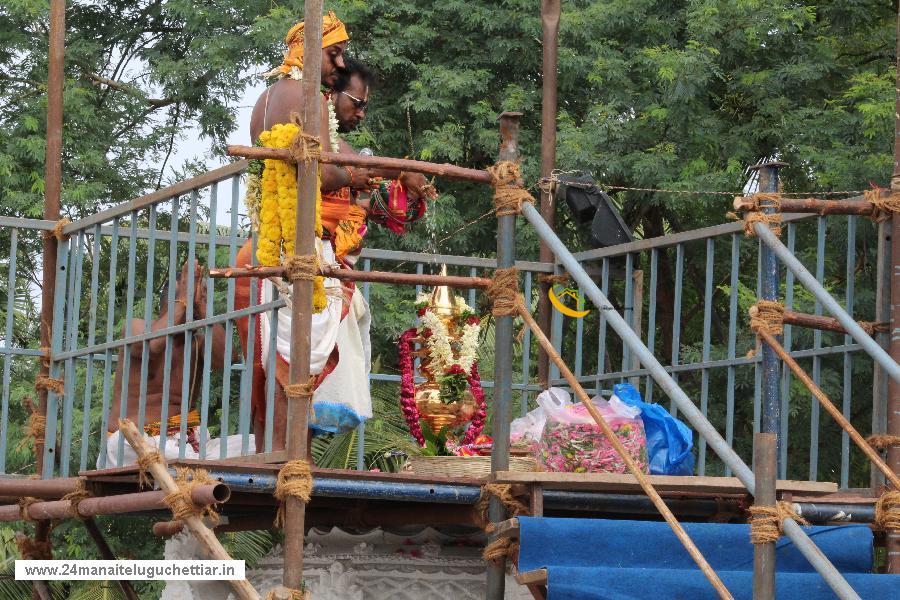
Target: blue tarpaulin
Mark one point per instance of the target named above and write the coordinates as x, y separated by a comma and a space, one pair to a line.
590, 559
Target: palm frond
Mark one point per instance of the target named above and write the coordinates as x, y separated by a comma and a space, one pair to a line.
249, 546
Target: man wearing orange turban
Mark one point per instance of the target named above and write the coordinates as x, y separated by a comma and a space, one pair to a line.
344, 322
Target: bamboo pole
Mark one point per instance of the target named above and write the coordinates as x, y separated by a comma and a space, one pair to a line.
870, 452
302, 302
371, 162
208, 540
641, 477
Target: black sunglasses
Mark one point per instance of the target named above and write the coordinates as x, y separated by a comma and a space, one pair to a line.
357, 103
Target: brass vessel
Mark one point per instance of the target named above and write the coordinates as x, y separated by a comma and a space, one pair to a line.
428, 398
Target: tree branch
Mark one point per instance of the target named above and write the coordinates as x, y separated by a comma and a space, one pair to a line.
130, 90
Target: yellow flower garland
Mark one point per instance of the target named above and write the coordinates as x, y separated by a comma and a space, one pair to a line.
278, 207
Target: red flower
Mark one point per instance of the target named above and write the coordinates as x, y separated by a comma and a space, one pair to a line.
421, 312
455, 370
473, 321
426, 333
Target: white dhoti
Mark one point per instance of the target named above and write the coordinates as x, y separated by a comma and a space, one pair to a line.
233, 446
342, 401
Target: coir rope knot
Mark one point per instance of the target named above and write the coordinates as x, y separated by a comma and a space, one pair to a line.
144, 462
508, 193
304, 147
181, 501
766, 521
503, 292
514, 507
301, 267
57, 231
43, 383
884, 206
757, 214
767, 314
294, 479
887, 511
75, 497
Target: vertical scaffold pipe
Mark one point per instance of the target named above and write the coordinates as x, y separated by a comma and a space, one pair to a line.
807, 280
503, 346
892, 424
690, 412
770, 421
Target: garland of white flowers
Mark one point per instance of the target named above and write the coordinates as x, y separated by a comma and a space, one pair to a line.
439, 343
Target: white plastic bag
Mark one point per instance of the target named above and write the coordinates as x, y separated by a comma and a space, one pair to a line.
525, 432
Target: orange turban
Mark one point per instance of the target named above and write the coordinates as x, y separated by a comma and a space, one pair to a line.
333, 32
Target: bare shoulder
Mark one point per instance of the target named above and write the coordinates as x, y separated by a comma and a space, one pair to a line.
275, 105
137, 327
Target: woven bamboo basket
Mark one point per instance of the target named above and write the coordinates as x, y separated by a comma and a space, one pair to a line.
463, 466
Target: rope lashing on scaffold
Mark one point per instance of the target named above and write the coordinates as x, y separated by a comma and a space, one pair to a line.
32, 549
44, 383
884, 206
766, 521
503, 292
75, 497
24, 503
57, 231
294, 479
883, 441
37, 426
501, 547
887, 511
767, 314
295, 594
304, 147
508, 191
552, 280
303, 391
144, 462
756, 212
301, 267
181, 502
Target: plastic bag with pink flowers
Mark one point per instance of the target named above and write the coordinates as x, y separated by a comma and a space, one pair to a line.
572, 442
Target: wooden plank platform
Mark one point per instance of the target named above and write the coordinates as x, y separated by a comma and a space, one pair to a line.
130, 472
535, 581
614, 482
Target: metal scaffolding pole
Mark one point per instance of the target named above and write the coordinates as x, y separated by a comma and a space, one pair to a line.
892, 537
503, 354
550, 13
691, 413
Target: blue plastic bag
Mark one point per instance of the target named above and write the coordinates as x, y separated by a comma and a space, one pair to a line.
669, 441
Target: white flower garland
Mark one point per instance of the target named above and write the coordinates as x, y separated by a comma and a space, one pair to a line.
439, 345
333, 127
468, 345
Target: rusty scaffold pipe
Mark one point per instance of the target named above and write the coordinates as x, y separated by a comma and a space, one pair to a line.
201, 495
371, 162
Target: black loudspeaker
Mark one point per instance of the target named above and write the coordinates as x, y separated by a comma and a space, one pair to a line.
582, 196
589, 204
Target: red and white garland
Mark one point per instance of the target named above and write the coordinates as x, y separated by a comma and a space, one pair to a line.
408, 392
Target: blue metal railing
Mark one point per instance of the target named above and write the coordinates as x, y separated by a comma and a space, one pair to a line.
115, 264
